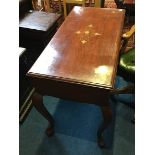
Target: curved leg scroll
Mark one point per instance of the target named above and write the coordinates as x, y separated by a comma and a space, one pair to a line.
37, 100
107, 114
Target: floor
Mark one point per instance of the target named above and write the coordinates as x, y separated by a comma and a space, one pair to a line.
76, 128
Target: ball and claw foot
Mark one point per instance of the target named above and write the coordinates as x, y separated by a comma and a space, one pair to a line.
49, 131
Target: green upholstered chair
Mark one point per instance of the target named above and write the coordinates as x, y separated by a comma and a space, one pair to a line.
126, 66
127, 61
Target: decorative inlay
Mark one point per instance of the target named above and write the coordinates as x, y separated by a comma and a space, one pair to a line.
90, 25
78, 32
83, 41
97, 34
87, 33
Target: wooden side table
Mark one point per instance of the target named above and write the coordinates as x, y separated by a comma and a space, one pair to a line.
80, 62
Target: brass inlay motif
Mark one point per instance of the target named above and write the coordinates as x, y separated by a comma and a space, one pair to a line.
83, 41
90, 25
97, 34
78, 32
87, 33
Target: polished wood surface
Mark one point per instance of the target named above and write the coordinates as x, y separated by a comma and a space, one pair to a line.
84, 49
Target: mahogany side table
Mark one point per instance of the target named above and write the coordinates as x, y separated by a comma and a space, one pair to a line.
80, 62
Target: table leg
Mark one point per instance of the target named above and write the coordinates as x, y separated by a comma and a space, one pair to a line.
107, 114
37, 100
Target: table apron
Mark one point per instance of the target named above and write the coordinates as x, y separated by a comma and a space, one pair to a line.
71, 91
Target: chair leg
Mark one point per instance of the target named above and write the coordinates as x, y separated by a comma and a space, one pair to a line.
65, 8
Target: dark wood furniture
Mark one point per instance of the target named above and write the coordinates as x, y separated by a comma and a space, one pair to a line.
25, 63
126, 66
23, 82
36, 28
26, 59
80, 62
129, 6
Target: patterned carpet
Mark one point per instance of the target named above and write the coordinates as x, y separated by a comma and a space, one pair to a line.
110, 4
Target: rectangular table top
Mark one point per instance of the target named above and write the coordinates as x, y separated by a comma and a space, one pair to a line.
84, 49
